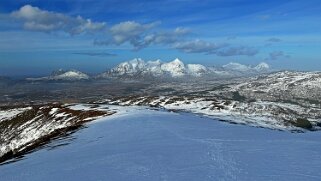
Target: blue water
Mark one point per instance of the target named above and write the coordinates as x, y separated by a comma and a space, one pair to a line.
154, 145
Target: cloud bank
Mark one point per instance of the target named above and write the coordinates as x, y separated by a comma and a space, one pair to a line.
138, 35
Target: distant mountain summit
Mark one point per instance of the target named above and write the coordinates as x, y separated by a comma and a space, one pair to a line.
240, 69
68, 75
138, 68
262, 67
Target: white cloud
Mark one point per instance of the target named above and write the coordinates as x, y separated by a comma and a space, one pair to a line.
141, 35
167, 37
198, 46
239, 50
35, 19
130, 31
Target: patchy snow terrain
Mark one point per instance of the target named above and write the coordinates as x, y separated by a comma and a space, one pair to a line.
299, 87
141, 144
9, 114
23, 129
281, 116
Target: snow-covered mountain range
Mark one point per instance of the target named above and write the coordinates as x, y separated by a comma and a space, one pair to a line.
176, 69
138, 68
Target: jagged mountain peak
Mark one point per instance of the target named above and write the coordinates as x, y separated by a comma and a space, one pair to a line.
178, 61
175, 68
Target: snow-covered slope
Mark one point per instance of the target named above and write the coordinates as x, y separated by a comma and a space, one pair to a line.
61, 74
138, 68
147, 145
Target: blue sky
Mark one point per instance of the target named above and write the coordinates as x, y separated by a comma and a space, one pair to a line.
37, 36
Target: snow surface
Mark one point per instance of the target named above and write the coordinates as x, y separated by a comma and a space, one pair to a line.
142, 144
